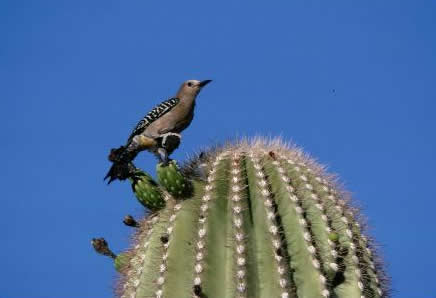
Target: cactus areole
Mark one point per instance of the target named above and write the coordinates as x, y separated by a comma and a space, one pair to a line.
252, 219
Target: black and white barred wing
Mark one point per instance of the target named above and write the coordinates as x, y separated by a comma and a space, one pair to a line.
153, 115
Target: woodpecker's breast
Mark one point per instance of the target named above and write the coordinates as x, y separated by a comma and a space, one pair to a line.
175, 120
184, 123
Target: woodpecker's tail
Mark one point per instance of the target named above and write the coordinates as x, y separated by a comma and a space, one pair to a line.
122, 167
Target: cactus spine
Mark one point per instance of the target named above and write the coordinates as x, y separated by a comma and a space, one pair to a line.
255, 219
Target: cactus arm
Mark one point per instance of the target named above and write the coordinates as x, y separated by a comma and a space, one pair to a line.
306, 268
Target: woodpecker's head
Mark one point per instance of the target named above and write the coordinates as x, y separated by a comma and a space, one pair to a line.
191, 88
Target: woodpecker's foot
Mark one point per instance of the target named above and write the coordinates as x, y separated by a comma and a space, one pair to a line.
166, 163
163, 157
170, 141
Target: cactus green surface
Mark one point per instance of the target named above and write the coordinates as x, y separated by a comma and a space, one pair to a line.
252, 219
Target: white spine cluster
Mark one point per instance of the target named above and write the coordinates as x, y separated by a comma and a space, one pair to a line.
320, 204
306, 235
235, 189
276, 241
133, 276
200, 246
163, 265
346, 219
371, 265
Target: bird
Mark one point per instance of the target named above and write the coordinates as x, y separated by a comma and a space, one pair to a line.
158, 131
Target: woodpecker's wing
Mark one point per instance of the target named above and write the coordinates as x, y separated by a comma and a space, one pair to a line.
157, 112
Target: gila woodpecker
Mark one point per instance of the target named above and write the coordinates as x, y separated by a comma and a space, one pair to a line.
158, 132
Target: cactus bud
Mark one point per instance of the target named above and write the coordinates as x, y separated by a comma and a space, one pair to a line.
147, 191
130, 221
100, 245
171, 178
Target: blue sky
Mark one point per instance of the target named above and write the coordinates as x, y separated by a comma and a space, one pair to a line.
353, 82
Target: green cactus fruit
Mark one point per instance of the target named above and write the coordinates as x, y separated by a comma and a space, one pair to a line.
261, 220
121, 260
333, 237
170, 177
147, 191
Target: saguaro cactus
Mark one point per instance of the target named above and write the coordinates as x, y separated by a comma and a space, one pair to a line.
253, 219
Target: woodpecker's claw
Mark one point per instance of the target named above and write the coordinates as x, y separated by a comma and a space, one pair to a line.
163, 156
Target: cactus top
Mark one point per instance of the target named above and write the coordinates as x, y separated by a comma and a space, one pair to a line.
262, 219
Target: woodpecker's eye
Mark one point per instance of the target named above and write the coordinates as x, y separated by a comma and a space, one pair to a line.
190, 84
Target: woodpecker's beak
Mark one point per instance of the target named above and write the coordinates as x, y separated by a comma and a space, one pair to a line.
204, 83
